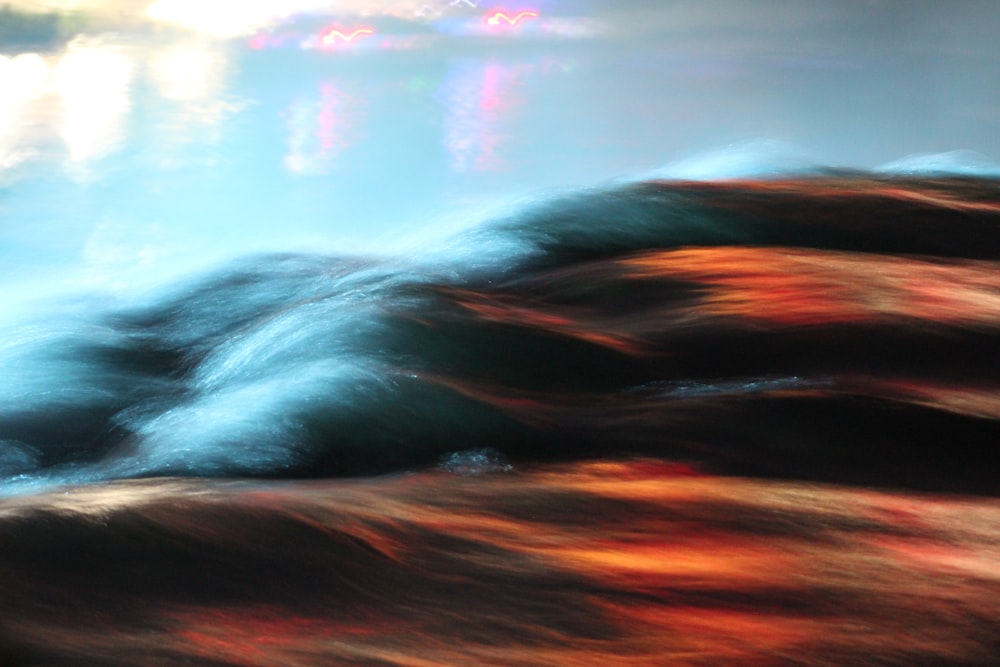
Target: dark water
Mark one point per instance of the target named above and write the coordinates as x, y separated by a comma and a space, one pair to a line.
742, 422
829, 327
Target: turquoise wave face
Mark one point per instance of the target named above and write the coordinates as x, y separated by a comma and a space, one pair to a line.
797, 327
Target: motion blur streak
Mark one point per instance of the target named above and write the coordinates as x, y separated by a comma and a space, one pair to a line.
497, 310
791, 287
623, 563
943, 192
748, 423
755, 327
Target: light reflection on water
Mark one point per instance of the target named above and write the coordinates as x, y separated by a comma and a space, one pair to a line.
127, 159
190, 71
94, 83
478, 97
321, 127
24, 81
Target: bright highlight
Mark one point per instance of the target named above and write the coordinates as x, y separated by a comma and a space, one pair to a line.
330, 38
94, 85
496, 18
226, 18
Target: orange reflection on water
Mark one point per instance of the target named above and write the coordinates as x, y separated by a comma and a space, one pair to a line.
259, 635
953, 194
799, 287
974, 401
620, 563
566, 322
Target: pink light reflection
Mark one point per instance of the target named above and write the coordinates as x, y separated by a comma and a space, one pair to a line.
321, 128
331, 37
498, 16
480, 102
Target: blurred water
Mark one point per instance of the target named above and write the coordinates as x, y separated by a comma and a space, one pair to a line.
815, 341
131, 157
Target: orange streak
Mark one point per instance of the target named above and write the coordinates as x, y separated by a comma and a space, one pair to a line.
572, 324
954, 196
795, 287
974, 401
621, 564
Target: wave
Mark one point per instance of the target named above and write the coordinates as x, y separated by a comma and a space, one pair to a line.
618, 563
835, 326
666, 422
950, 163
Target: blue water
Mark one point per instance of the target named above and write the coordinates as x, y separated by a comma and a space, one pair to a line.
133, 157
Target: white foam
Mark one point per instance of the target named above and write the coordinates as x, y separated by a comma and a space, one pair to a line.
950, 163
755, 158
